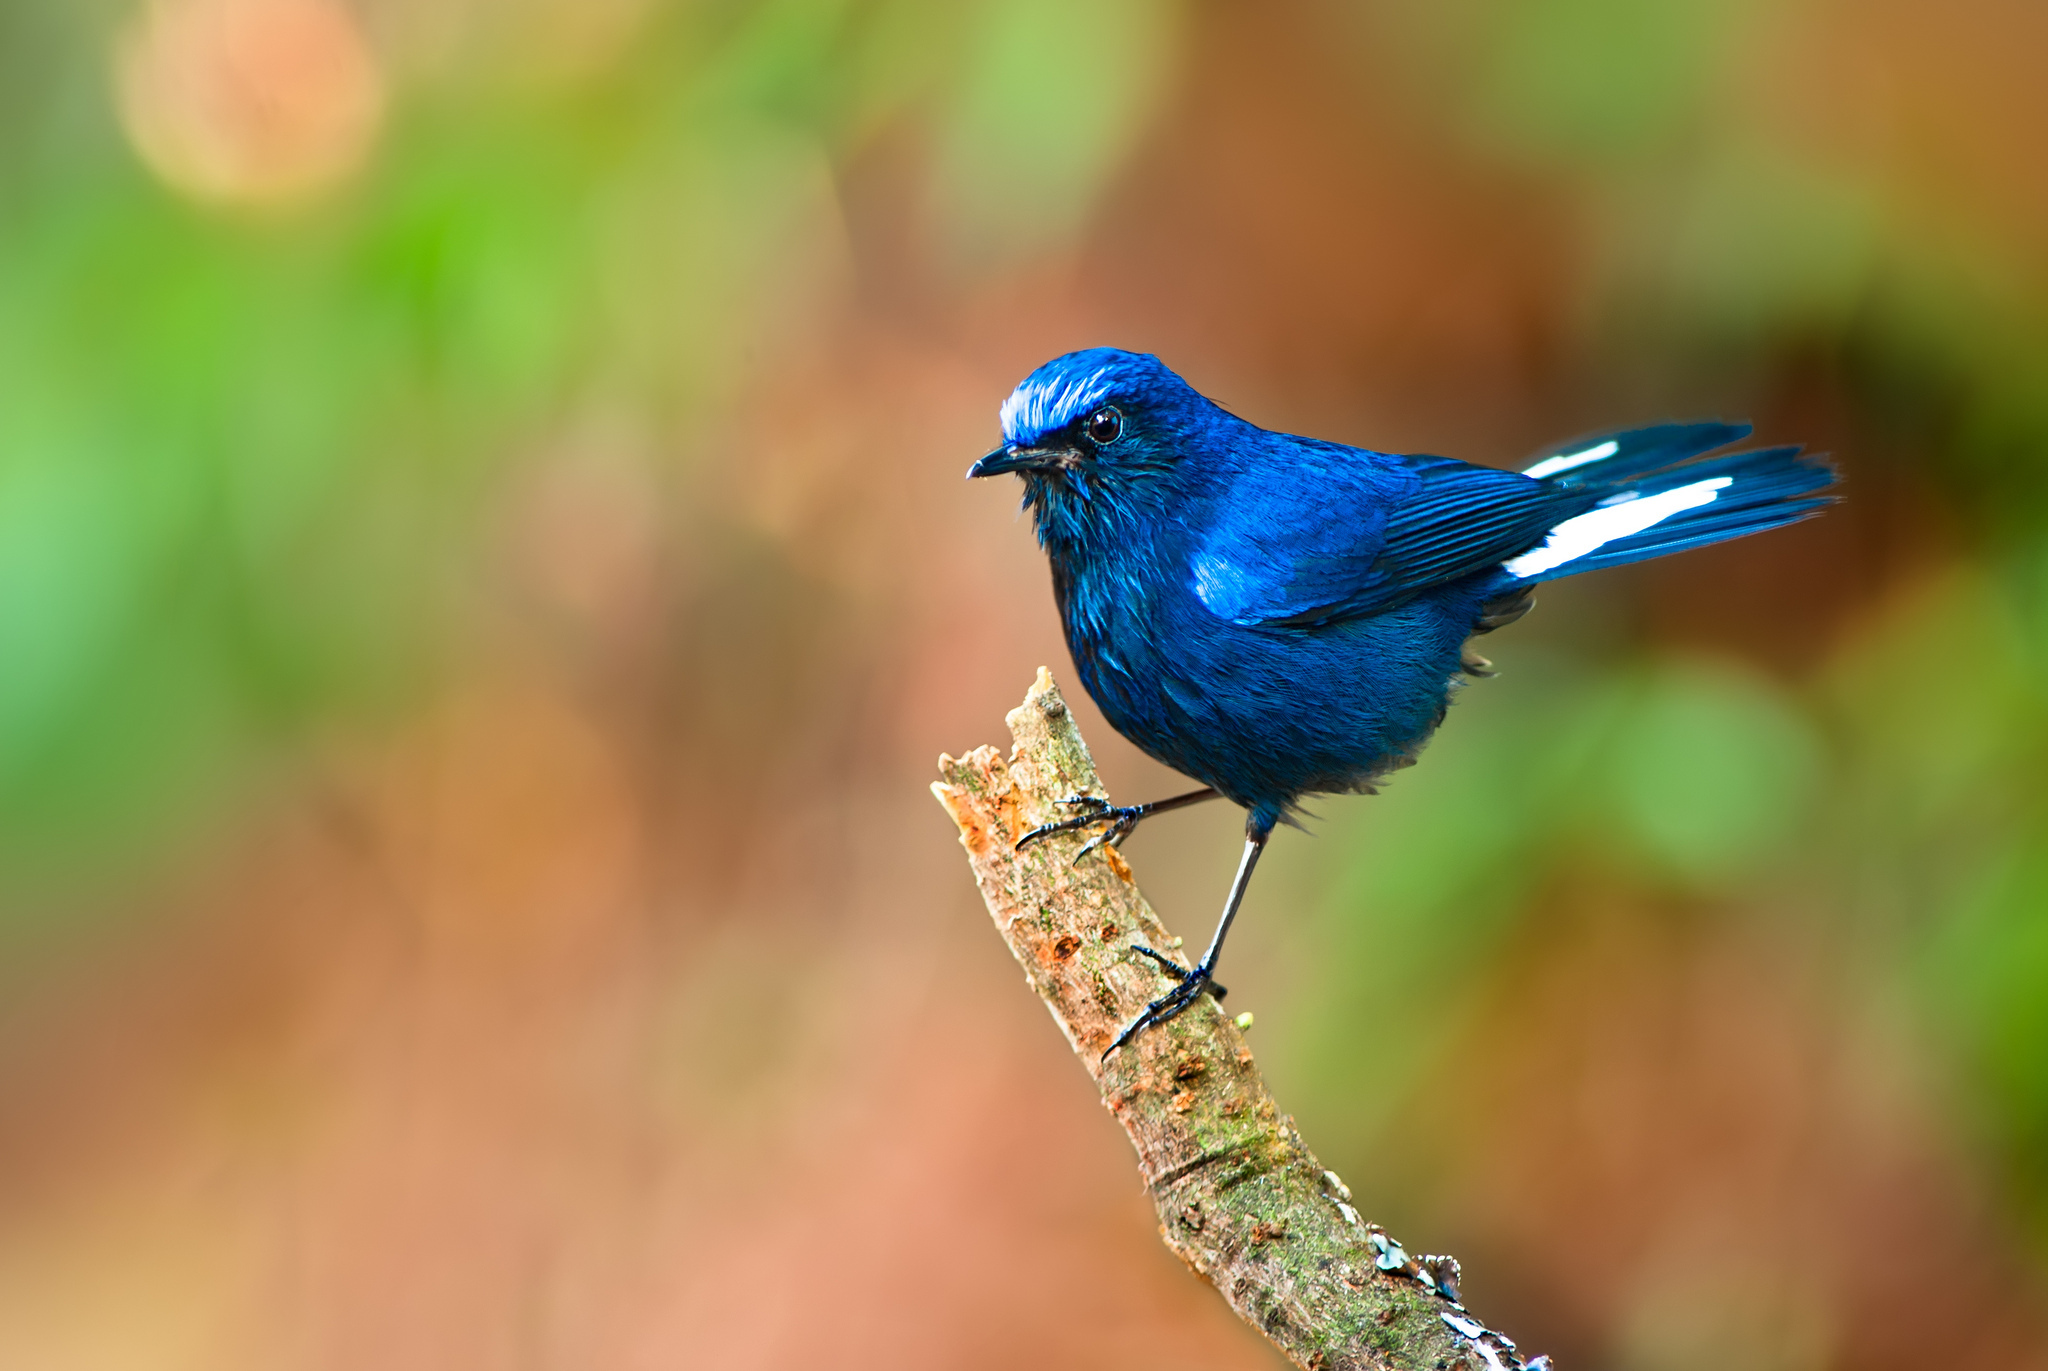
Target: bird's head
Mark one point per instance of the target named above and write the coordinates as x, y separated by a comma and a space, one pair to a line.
1092, 425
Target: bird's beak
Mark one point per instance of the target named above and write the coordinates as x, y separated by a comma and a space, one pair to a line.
1010, 457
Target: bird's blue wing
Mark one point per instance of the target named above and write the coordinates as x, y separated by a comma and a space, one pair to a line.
1345, 532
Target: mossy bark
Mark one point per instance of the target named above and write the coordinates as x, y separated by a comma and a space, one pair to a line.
1240, 1197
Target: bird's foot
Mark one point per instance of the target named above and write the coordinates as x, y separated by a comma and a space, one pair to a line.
1122, 821
1191, 983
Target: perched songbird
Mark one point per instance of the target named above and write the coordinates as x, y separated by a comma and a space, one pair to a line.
1280, 617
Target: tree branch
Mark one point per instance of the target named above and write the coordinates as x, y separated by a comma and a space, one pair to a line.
1241, 1199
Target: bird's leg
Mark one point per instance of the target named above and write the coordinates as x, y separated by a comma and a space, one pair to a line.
1202, 975
1122, 819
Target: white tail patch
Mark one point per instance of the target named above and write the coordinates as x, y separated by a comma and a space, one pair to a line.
1577, 536
1550, 466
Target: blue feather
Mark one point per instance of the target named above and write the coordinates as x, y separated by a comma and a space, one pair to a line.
1622, 456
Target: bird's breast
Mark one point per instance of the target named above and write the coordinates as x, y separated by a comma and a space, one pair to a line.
1263, 715
1142, 643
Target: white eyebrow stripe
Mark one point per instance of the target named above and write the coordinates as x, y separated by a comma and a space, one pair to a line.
1550, 466
1034, 409
1587, 532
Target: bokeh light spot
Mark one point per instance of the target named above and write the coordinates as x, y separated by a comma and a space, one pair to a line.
252, 102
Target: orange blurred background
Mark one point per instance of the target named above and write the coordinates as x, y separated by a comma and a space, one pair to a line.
484, 575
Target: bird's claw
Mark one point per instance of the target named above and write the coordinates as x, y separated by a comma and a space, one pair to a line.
1166, 963
1190, 985
1122, 819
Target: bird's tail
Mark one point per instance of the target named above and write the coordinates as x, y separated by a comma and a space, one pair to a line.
1662, 492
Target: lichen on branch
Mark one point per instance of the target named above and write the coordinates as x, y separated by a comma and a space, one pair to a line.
1240, 1197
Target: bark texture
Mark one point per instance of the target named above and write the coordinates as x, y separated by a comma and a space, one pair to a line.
1241, 1199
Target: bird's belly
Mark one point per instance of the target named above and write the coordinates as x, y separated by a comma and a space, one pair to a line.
1267, 717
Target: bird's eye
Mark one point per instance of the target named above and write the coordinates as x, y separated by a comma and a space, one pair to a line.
1105, 424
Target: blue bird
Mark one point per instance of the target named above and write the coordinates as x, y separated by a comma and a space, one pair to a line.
1279, 617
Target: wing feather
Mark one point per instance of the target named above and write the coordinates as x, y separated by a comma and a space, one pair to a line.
1356, 532
1318, 532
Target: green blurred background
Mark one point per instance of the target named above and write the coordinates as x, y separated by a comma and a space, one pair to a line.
484, 573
